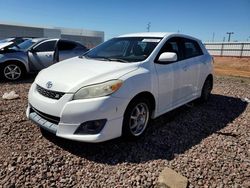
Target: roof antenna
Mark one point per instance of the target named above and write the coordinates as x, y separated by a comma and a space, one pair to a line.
148, 26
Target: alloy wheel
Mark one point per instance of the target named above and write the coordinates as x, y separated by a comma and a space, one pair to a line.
139, 119
12, 72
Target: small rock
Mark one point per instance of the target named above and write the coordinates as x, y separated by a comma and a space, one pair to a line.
170, 178
19, 159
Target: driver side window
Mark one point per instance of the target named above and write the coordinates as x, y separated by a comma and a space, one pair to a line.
172, 45
46, 46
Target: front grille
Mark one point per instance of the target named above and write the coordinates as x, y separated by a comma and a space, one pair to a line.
48, 93
50, 118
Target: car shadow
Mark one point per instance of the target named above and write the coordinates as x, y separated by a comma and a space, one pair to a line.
169, 135
29, 78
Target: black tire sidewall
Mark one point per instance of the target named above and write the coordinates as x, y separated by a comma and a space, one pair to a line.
205, 94
126, 132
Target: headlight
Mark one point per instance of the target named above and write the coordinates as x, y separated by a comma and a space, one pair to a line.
98, 90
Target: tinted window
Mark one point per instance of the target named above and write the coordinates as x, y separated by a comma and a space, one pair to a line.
191, 48
81, 47
66, 45
46, 46
172, 45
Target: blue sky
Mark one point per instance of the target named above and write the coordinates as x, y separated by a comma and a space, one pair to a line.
199, 18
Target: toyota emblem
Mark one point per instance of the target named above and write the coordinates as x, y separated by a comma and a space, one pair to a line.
49, 84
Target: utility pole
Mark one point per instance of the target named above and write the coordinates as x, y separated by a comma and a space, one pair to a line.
229, 35
213, 36
148, 26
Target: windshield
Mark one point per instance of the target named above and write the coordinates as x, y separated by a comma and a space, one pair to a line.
26, 44
22, 46
126, 49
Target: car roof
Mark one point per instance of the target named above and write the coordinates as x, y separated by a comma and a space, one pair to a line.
158, 34
148, 34
38, 39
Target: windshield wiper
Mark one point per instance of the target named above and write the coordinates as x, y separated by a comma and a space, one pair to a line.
105, 59
116, 59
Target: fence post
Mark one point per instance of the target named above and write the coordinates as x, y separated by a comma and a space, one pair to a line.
222, 46
242, 48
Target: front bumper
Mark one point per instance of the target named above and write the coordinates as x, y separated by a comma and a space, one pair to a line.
72, 113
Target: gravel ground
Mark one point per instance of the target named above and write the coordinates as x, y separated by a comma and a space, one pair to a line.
208, 143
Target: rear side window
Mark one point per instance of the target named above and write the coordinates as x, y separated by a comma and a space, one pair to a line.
46, 46
191, 49
66, 45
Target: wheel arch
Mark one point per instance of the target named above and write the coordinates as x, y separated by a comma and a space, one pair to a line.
147, 95
19, 62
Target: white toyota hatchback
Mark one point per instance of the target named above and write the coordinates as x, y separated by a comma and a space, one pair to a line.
116, 88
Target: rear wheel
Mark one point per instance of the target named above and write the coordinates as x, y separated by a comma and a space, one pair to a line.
12, 71
136, 118
206, 90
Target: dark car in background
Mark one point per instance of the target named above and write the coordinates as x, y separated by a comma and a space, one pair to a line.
34, 54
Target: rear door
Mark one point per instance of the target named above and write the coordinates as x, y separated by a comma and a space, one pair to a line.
191, 67
67, 49
42, 55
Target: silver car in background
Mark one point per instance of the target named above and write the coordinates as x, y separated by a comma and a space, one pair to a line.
16, 40
35, 54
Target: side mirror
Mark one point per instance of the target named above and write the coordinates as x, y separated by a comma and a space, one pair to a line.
168, 57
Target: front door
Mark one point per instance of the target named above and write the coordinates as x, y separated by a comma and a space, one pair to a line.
42, 55
169, 78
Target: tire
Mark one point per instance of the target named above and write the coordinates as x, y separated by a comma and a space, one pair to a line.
12, 71
206, 90
136, 119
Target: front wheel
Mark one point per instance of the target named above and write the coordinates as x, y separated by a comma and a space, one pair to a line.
12, 71
136, 118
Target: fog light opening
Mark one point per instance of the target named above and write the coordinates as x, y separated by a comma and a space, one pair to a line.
91, 127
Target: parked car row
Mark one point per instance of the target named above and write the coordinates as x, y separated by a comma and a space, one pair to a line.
116, 88
19, 56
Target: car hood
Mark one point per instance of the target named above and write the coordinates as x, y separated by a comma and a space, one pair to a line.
70, 75
5, 44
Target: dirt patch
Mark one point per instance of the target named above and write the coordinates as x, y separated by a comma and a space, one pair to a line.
232, 66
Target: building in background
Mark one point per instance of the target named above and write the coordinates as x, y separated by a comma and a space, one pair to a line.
88, 38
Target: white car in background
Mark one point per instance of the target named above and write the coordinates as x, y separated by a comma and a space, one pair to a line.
116, 88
